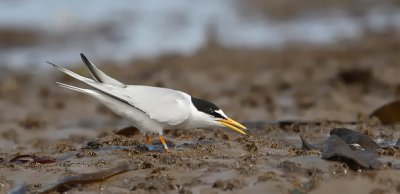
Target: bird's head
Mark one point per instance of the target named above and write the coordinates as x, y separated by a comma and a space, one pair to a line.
215, 116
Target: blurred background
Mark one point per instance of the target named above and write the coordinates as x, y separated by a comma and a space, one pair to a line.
258, 60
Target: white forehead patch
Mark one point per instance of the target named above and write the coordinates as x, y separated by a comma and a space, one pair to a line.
221, 113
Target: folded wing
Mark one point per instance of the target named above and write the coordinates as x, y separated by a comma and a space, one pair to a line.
164, 105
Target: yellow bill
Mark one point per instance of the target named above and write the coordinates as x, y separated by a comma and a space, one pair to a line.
233, 125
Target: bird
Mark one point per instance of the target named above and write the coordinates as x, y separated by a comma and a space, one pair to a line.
151, 109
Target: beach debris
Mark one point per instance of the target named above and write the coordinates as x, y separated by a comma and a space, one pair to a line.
307, 146
338, 150
18, 189
92, 145
32, 158
128, 131
354, 137
388, 113
69, 182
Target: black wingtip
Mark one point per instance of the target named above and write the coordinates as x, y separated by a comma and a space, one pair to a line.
50, 63
91, 68
84, 58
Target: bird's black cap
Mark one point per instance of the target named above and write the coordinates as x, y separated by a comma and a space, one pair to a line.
207, 107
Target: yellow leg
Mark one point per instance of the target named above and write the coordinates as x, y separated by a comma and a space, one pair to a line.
164, 144
147, 139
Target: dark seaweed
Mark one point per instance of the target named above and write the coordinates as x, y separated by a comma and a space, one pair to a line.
337, 149
354, 137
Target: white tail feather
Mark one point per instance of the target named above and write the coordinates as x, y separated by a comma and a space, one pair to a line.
86, 91
72, 74
104, 88
87, 81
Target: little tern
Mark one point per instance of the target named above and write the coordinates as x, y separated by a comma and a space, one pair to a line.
151, 109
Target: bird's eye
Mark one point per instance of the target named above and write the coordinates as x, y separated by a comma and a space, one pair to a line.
217, 115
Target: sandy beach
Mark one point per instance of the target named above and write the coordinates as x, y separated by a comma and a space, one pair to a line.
294, 83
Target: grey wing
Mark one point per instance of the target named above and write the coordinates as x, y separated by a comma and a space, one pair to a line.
161, 104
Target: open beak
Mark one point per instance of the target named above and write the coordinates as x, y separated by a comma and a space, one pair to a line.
233, 125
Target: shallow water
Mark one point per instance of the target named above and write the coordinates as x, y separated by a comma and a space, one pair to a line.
130, 29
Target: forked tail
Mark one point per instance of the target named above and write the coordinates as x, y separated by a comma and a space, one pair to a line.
85, 91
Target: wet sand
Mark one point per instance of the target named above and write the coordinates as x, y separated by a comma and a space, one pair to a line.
340, 83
